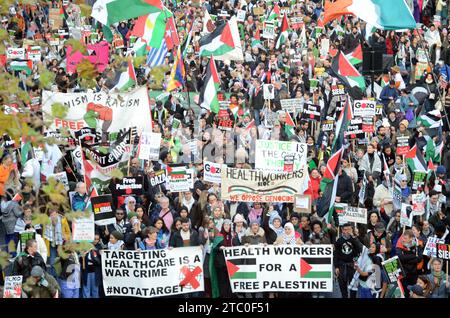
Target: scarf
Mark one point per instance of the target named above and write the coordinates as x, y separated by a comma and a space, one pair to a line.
289, 239
116, 246
440, 276
188, 204
150, 244
53, 233
362, 260
227, 238
254, 214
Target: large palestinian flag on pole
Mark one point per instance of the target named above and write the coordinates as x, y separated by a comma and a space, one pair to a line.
211, 84
382, 14
415, 160
432, 119
346, 72
223, 43
284, 34
108, 12
355, 57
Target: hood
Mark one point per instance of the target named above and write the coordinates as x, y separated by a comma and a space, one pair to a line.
248, 232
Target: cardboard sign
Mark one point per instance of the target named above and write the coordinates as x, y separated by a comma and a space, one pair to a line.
418, 203
269, 91
24, 236
270, 154
406, 215
268, 31
354, 130
302, 204
34, 53
418, 179
393, 268
54, 19
354, 214
130, 186
61, 177
402, 145
443, 251
258, 11
178, 179
158, 178
102, 208
212, 172
379, 109
328, 125
13, 287
241, 15
311, 112
364, 108
291, 105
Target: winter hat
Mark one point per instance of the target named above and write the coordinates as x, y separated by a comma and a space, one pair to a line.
131, 215
239, 218
37, 271
117, 235
405, 123
441, 170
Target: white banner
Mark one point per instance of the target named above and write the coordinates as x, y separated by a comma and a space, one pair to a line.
259, 186
364, 108
270, 154
149, 146
212, 172
13, 53
282, 268
153, 273
106, 112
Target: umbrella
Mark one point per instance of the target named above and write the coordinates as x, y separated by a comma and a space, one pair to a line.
420, 93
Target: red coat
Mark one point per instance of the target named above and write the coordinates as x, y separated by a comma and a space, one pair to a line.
313, 188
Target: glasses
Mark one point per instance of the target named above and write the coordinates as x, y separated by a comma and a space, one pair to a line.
119, 213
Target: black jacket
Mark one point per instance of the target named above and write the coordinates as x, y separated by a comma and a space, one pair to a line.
346, 250
177, 241
257, 101
25, 262
344, 188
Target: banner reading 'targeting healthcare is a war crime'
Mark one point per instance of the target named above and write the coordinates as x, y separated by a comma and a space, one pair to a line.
259, 186
153, 273
282, 268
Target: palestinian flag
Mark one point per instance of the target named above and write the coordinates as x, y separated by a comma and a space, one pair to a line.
250, 125
152, 27
284, 34
25, 149
356, 56
256, 41
415, 160
432, 151
111, 11
176, 172
346, 72
274, 13
289, 126
127, 79
26, 66
223, 43
107, 33
314, 267
242, 268
383, 14
211, 85
431, 119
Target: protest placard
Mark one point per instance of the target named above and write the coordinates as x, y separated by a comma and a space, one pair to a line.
402, 145
13, 287
291, 105
13, 53
355, 214
149, 144
55, 19
268, 91
241, 15
129, 186
430, 247
379, 109
158, 178
393, 268
249, 185
24, 236
98, 55
340, 211
367, 125
60, 177
270, 154
178, 179
87, 135
212, 172
418, 179
108, 112
418, 203
282, 268
302, 204
153, 273
311, 112
83, 229
443, 251
364, 108
406, 215
102, 208
328, 125
258, 11
268, 30
354, 129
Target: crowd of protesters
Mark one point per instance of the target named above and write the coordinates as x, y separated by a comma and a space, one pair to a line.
159, 219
